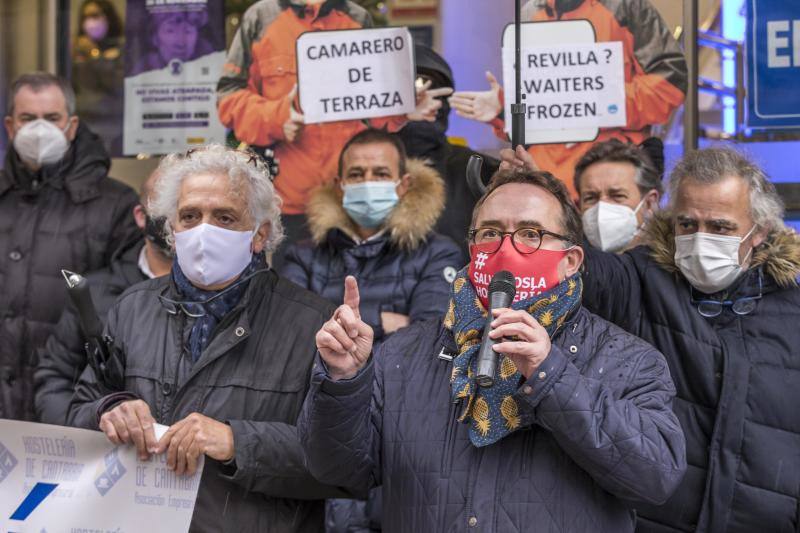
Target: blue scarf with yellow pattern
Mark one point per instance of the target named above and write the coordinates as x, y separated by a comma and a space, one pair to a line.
492, 412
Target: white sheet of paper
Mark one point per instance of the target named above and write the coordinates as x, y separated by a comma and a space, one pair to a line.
355, 74
570, 86
99, 487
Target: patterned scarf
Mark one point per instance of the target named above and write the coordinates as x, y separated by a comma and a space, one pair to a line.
492, 411
215, 310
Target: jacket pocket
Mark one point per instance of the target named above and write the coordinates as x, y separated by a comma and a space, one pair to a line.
278, 75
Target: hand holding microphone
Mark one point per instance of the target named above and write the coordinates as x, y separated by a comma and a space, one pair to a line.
513, 333
501, 293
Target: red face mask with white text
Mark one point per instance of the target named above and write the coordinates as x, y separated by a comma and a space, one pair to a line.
534, 273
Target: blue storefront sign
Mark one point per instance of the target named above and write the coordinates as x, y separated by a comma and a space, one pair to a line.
773, 64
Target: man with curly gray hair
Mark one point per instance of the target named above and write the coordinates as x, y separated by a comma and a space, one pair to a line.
715, 290
220, 350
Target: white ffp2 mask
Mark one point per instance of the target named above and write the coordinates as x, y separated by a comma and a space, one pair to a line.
41, 142
710, 262
610, 227
209, 255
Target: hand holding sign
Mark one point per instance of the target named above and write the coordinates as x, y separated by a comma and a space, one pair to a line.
130, 422
482, 106
293, 126
428, 102
345, 341
193, 437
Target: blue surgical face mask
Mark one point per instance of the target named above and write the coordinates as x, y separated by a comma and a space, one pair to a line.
369, 203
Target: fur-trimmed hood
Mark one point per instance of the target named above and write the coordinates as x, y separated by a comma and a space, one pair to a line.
409, 223
779, 254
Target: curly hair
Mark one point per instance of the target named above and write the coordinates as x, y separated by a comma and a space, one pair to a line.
247, 175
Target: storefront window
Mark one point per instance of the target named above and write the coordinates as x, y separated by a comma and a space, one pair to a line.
98, 41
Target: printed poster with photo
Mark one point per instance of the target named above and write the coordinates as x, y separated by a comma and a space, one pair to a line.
173, 58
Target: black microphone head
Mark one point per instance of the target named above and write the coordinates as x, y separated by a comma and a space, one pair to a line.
503, 281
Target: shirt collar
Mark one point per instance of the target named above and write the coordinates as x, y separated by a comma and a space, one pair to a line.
144, 265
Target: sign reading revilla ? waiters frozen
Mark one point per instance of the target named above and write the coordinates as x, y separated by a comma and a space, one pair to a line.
569, 85
355, 74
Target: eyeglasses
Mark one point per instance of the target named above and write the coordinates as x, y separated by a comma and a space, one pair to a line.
197, 309
266, 163
524, 240
740, 306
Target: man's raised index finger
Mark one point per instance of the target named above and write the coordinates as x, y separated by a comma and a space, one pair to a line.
351, 296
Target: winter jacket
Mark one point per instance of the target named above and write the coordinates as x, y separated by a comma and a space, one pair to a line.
253, 376
405, 270
66, 216
63, 357
736, 379
596, 427
258, 77
450, 161
655, 72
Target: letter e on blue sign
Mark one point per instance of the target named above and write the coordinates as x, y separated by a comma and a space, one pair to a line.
773, 64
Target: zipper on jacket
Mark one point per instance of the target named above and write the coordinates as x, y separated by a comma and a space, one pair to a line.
450, 440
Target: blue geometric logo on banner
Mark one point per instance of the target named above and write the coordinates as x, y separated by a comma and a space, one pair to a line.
7, 462
112, 473
35, 497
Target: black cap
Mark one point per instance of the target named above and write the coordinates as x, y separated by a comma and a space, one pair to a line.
433, 65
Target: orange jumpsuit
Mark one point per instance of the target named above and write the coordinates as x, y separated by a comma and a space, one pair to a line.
655, 73
253, 93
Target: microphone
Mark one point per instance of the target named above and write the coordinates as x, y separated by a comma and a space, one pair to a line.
501, 293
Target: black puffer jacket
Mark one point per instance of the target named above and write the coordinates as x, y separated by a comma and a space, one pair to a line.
596, 427
737, 380
69, 215
63, 357
253, 375
406, 270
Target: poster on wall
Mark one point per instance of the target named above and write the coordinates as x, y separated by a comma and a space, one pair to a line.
174, 54
773, 64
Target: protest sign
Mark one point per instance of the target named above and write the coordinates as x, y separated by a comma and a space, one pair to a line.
571, 85
174, 55
60, 479
355, 74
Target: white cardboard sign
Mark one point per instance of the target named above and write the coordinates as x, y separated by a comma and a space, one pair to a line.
355, 74
88, 484
569, 86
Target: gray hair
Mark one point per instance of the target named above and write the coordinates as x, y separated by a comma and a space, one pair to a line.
248, 175
715, 164
37, 81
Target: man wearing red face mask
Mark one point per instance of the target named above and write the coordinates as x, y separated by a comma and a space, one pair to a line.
577, 420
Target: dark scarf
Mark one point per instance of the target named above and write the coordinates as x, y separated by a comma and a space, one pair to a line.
492, 411
216, 309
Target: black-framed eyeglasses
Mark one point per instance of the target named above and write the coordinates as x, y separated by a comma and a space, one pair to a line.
196, 309
524, 240
740, 306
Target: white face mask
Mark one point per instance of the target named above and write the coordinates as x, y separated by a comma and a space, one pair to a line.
710, 262
210, 255
610, 227
41, 142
